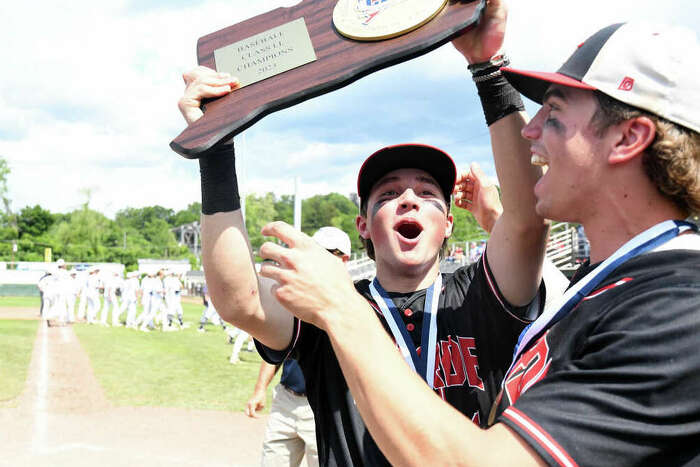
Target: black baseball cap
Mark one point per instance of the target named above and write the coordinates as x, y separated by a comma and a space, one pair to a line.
435, 161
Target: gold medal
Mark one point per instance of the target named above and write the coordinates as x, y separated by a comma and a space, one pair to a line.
374, 20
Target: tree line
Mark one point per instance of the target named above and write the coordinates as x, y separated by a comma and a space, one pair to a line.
86, 235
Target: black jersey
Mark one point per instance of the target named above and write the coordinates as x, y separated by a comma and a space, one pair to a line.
476, 332
617, 381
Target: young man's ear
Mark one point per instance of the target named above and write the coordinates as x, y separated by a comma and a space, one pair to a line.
449, 224
361, 224
632, 137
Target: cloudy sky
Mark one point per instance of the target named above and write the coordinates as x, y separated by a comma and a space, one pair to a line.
89, 90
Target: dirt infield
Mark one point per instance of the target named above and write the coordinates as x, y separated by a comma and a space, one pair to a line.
64, 419
18, 313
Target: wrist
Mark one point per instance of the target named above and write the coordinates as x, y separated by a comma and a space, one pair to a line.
218, 181
495, 62
498, 97
344, 321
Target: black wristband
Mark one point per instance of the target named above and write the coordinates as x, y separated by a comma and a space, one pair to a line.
498, 97
219, 184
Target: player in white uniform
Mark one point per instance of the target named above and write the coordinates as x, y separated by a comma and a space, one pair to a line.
73, 288
82, 279
153, 286
129, 295
148, 285
110, 282
173, 289
209, 313
44, 286
92, 294
61, 290
116, 287
158, 309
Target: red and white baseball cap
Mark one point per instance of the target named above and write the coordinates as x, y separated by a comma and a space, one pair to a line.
652, 67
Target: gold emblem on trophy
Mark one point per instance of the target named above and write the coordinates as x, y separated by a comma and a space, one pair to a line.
374, 20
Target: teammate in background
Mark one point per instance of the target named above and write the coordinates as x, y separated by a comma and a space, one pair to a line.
117, 291
173, 300
82, 279
61, 289
110, 283
43, 285
610, 375
209, 313
129, 297
290, 431
74, 288
158, 309
405, 194
149, 286
238, 337
92, 294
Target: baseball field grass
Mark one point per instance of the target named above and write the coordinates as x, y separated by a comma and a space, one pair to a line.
20, 302
16, 342
185, 369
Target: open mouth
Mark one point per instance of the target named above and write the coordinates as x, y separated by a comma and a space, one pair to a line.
408, 229
538, 160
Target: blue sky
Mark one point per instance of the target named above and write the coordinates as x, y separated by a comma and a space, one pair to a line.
89, 93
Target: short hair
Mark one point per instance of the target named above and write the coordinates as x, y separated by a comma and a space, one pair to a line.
672, 161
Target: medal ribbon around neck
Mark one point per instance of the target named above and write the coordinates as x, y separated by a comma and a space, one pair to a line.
425, 364
645, 241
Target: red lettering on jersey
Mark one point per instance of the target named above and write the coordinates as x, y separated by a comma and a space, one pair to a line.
471, 361
531, 367
439, 382
456, 363
451, 362
441, 393
476, 419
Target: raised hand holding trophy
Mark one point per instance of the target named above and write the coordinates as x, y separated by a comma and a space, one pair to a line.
289, 55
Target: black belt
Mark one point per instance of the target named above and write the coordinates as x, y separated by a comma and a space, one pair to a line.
299, 394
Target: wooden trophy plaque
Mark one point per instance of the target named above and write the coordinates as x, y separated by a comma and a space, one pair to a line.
288, 55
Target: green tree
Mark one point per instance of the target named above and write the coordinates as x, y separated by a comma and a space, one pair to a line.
158, 233
259, 210
34, 221
284, 209
9, 220
84, 232
334, 210
139, 217
191, 214
465, 227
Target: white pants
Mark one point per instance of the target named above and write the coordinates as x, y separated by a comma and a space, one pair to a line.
241, 337
59, 308
174, 306
82, 306
110, 302
46, 306
71, 308
155, 304
129, 305
93, 307
210, 314
146, 303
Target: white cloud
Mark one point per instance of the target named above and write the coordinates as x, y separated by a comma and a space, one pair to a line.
89, 92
